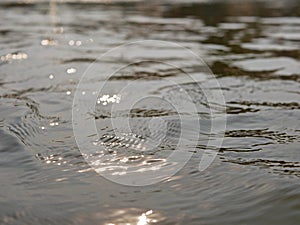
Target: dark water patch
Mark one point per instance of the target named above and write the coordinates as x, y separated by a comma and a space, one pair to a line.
224, 69
292, 54
278, 137
150, 113
79, 60
278, 167
283, 105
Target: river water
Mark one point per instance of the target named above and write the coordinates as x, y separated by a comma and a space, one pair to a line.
252, 47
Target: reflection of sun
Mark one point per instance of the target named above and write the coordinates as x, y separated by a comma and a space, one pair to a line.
105, 99
143, 220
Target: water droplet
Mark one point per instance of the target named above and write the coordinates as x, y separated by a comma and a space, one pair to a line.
71, 42
71, 70
14, 56
52, 124
46, 42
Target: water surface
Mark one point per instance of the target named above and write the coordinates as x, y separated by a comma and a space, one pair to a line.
251, 46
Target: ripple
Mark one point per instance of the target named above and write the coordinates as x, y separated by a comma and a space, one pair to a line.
281, 65
277, 166
279, 137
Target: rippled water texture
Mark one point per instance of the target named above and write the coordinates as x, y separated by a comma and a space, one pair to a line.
251, 46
